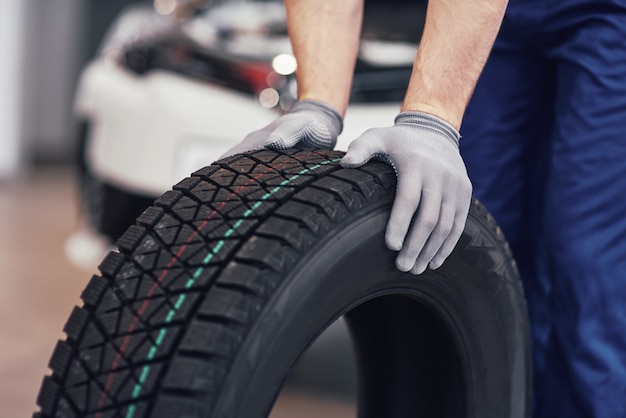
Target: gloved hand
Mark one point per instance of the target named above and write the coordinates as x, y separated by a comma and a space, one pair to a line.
310, 124
433, 188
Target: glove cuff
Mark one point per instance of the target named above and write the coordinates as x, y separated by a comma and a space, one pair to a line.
426, 121
313, 105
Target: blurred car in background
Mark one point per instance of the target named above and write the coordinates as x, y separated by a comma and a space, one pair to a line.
177, 83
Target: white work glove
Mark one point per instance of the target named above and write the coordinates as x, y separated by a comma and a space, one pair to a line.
433, 192
310, 124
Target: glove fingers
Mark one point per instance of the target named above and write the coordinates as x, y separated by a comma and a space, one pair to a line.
285, 136
310, 125
310, 135
436, 239
448, 246
425, 221
317, 135
406, 202
359, 152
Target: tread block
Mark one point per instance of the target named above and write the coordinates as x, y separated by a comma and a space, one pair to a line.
204, 192
61, 359
92, 336
200, 257
303, 213
250, 210
150, 217
209, 224
288, 231
111, 300
159, 258
244, 164
187, 213
179, 278
270, 252
129, 289
103, 359
231, 305
76, 324
187, 183
365, 184
206, 171
92, 294
168, 406
177, 235
136, 409
249, 278
193, 374
131, 239
222, 195
210, 338
148, 244
342, 189
65, 410
79, 395
109, 393
160, 339
169, 198
159, 310
77, 374
49, 394
224, 176
325, 201
124, 385
386, 177
167, 221
263, 157
121, 321
112, 263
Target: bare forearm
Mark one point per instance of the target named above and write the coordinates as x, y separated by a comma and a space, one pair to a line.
325, 38
458, 36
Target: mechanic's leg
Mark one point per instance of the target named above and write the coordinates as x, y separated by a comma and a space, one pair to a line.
504, 136
585, 222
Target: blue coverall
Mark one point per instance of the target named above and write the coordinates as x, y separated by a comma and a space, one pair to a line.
544, 141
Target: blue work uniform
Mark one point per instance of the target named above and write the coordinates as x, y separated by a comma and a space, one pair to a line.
544, 141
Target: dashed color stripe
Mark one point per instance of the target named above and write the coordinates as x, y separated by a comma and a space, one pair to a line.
156, 284
143, 376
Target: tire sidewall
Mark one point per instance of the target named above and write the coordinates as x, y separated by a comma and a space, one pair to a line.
475, 290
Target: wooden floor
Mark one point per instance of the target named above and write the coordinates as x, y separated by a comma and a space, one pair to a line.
39, 287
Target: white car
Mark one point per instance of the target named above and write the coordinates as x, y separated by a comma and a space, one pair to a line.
166, 97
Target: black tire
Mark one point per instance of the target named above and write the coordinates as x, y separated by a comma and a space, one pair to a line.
229, 277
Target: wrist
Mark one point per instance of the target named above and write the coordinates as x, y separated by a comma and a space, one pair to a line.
335, 99
330, 113
445, 113
428, 122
